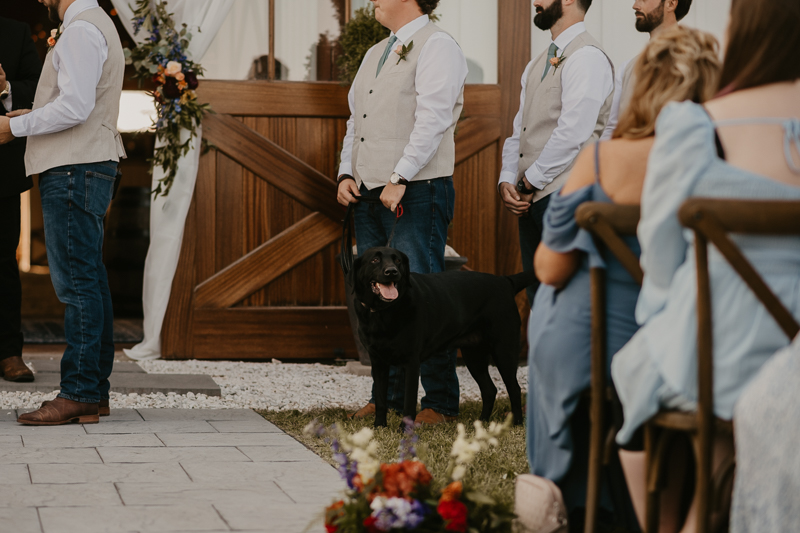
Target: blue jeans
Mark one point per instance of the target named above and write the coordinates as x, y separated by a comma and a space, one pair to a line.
531, 228
421, 234
74, 203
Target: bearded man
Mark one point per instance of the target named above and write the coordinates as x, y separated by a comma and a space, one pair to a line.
74, 146
652, 16
565, 101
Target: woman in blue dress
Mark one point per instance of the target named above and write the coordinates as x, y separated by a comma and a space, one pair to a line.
745, 144
676, 65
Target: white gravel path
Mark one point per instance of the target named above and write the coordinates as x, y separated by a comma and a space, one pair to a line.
272, 386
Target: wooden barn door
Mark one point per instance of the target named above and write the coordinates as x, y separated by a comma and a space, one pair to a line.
258, 276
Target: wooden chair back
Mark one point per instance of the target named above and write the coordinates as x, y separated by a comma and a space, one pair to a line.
712, 220
607, 223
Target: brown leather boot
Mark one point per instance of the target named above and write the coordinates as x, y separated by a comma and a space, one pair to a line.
14, 369
367, 410
103, 408
61, 411
431, 417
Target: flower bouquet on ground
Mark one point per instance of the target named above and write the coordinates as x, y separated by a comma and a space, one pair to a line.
403, 496
163, 58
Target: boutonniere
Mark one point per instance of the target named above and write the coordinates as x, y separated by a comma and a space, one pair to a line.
403, 50
556, 62
54, 35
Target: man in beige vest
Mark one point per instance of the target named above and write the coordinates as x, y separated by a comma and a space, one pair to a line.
74, 146
399, 147
565, 101
652, 16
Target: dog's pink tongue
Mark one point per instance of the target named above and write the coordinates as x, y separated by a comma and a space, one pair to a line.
388, 290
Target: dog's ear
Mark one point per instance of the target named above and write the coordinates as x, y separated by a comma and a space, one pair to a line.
406, 267
351, 276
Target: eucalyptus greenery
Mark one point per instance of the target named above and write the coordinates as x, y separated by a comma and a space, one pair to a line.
162, 58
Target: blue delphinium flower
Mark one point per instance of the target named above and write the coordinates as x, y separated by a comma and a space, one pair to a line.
407, 449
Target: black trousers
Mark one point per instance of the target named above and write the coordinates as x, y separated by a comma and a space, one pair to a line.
10, 286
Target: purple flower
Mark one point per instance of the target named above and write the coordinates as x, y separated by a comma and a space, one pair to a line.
407, 449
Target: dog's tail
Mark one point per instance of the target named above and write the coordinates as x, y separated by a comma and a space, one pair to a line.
522, 280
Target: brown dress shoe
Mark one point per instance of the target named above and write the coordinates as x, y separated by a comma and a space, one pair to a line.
14, 369
429, 416
103, 408
61, 411
367, 410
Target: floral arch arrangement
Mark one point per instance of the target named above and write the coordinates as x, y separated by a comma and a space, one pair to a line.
162, 58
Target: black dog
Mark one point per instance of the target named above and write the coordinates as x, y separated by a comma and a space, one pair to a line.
404, 318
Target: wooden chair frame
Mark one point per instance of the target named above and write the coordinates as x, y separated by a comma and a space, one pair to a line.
712, 220
607, 223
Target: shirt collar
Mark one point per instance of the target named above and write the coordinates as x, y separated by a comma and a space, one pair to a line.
566, 37
77, 7
407, 32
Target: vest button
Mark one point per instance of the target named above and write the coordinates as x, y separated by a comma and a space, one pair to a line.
524, 129
362, 139
365, 116
519, 154
370, 91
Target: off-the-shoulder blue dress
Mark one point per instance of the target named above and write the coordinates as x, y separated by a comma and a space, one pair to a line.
658, 367
559, 336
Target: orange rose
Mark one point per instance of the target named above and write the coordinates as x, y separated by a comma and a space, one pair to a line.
554, 61
452, 492
51, 42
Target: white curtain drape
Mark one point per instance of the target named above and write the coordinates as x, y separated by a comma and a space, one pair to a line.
168, 215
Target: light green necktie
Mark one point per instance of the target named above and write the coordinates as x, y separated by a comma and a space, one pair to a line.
392, 40
551, 53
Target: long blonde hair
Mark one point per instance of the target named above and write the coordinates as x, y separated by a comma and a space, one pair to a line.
677, 64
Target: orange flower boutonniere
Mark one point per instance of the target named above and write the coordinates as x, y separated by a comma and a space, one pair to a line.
556, 61
53, 39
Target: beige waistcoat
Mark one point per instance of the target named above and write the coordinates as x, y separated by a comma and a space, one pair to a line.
628, 81
542, 110
97, 139
384, 116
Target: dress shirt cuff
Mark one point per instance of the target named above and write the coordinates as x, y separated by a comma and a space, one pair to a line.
18, 126
345, 168
506, 176
7, 103
536, 178
407, 170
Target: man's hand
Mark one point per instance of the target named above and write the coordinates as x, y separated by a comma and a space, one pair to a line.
513, 200
391, 196
348, 192
5, 130
17, 113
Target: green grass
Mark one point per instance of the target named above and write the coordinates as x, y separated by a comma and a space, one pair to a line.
493, 471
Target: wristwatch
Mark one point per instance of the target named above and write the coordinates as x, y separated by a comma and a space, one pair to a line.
4, 94
522, 189
397, 179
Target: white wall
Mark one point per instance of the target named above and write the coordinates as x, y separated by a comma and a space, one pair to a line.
612, 23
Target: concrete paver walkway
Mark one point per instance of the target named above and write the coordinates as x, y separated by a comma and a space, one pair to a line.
160, 470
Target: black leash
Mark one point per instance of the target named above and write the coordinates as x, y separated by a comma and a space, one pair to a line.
346, 252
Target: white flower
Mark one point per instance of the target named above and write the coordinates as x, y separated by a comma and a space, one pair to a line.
458, 472
378, 503
398, 49
173, 67
53, 33
362, 438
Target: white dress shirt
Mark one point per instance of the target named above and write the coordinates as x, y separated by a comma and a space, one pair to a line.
441, 73
587, 80
613, 117
78, 57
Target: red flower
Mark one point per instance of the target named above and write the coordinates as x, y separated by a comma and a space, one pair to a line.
330, 528
454, 514
332, 513
369, 523
171, 89
191, 80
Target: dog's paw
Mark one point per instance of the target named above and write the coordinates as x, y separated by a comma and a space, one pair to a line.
380, 424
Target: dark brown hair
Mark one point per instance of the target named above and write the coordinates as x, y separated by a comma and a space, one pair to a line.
763, 44
682, 9
427, 6
678, 64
